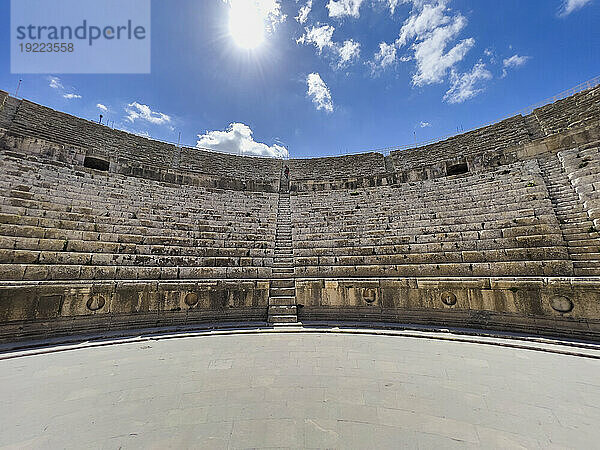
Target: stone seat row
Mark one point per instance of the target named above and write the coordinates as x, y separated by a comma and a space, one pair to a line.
122, 216
512, 268
518, 213
499, 255
136, 226
119, 259
399, 199
109, 184
170, 200
205, 248
42, 211
159, 239
434, 192
38, 272
406, 244
157, 201
137, 231
519, 224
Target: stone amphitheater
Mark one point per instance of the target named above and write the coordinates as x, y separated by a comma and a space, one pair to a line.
491, 233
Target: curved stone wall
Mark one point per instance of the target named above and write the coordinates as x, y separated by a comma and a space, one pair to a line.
493, 229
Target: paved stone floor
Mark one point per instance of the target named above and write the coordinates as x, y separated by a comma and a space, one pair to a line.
299, 390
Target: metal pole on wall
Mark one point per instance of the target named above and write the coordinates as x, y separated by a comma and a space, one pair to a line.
18, 87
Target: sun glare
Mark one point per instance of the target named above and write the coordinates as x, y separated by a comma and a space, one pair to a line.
246, 24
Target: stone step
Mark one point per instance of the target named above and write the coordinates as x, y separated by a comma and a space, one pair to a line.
283, 259
590, 263
282, 301
585, 256
283, 271
575, 229
583, 250
283, 319
282, 291
587, 272
584, 244
584, 236
282, 310
573, 215
283, 283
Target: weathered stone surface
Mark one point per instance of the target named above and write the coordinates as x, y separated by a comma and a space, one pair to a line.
492, 228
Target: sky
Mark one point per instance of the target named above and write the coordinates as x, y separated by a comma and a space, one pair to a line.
307, 78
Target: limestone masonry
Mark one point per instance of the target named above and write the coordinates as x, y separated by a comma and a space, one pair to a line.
492, 229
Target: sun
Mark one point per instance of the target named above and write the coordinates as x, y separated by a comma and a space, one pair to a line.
246, 24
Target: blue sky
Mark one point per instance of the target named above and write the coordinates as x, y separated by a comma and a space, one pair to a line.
343, 76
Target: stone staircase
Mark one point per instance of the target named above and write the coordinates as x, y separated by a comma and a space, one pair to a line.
583, 241
282, 297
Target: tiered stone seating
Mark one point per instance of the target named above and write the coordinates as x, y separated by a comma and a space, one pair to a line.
8, 108
60, 223
571, 112
497, 223
583, 168
37, 121
349, 166
508, 133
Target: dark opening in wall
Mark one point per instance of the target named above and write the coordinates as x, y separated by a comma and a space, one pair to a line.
96, 163
457, 169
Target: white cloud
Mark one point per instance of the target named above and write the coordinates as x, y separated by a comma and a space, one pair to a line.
238, 139
393, 4
304, 12
348, 52
432, 28
515, 61
55, 83
386, 56
101, 107
321, 37
424, 124
137, 111
464, 86
343, 8
319, 92
569, 6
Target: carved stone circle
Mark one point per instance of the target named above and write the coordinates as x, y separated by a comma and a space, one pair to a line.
448, 298
561, 304
191, 299
369, 295
96, 303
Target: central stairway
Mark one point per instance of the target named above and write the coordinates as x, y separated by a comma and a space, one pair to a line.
578, 229
282, 295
